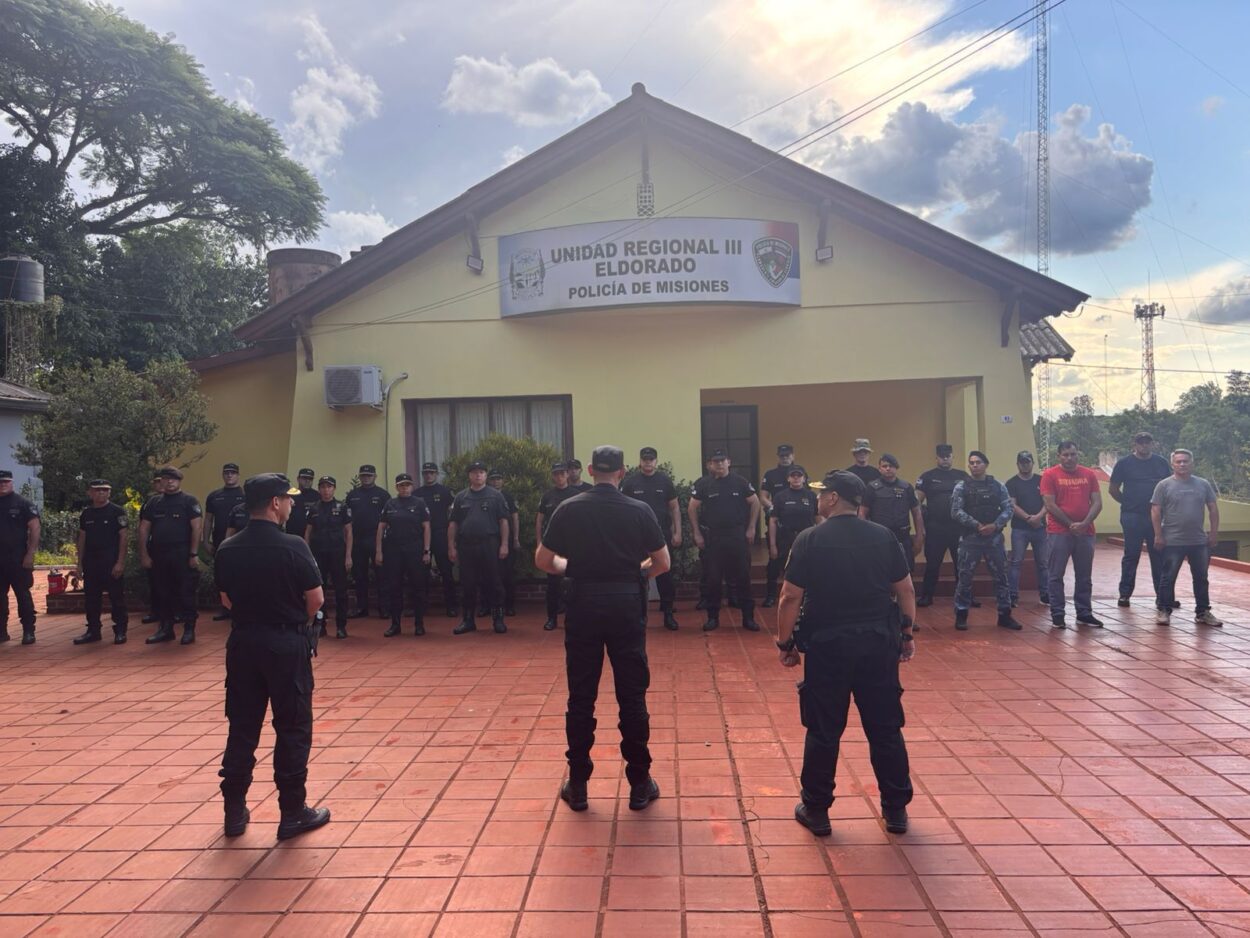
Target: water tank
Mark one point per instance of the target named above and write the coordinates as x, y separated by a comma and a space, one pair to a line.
292, 269
21, 279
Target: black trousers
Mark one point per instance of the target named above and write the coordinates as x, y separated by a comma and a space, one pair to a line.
776, 565
479, 572
727, 556
173, 585
403, 566
903, 536
939, 540
599, 622
333, 567
665, 585
439, 554
555, 589
98, 579
268, 667
863, 664
17, 578
364, 552
507, 577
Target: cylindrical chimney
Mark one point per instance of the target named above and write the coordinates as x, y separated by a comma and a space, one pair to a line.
292, 269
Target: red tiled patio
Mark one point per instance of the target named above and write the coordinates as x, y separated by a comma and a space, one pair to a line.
1091, 782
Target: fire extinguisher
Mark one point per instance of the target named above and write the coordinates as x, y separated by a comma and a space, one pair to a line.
57, 582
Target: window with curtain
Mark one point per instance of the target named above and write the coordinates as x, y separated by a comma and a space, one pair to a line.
450, 427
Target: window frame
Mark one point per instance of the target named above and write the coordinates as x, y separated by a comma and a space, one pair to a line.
412, 441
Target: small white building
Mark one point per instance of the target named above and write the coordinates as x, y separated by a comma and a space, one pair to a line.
16, 403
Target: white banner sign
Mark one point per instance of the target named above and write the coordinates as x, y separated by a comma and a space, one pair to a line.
647, 262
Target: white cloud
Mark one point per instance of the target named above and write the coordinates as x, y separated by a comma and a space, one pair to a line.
344, 232
1227, 303
245, 97
512, 154
1211, 105
538, 94
333, 97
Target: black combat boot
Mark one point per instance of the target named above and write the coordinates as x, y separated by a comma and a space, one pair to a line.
466, 625
237, 816
119, 636
498, 623
301, 821
815, 820
712, 623
550, 625
163, 633
340, 631
88, 637
418, 627
1006, 621
670, 622
394, 630
188, 634
28, 635
749, 623
895, 819
770, 597
961, 619
643, 794
574, 794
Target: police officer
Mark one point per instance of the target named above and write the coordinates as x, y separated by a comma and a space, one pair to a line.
303, 503
575, 477
861, 468
479, 538
103, 530
365, 502
601, 539
269, 582
157, 488
776, 480
19, 539
892, 503
552, 498
982, 506
329, 536
793, 511
217, 507
731, 510
438, 499
942, 532
403, 550
648, 484
237, 521
850, 579
507, 566
169, 531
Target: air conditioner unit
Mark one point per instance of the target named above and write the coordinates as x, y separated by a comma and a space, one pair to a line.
353, 386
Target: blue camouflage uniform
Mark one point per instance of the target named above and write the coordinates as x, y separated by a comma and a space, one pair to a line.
975, 502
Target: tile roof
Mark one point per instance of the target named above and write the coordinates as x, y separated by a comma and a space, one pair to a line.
1040, 341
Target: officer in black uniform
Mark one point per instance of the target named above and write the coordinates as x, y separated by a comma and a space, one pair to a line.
892, 503
507, 566
851, 581
942, 532
776, 480
731, 510
601, 539
365, 502
648, 484
861, 468
793, 511
157, 488
217, 507
552, 498
479, 538
19, 539
303, 503
237, 521
269, 582
169, 532
438, 499
329, 536
103, 530
403, 549
575, 477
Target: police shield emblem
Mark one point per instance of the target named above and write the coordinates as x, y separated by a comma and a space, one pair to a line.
773, 257
526, 272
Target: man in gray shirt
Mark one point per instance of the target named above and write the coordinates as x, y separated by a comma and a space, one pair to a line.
1176, 511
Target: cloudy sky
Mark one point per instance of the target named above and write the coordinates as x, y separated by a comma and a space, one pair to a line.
399, 105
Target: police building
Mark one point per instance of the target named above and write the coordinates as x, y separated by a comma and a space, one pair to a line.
650, 278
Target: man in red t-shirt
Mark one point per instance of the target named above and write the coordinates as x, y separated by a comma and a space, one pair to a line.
1073, 500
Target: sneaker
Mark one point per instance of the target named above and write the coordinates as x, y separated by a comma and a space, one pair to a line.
642, 795
1163, 617
1090, 619
1122, 602
895, 820
574, 795
300, 822
1207, 617
815, 820
1058, 622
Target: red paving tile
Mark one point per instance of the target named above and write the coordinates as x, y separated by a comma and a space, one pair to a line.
1067, 783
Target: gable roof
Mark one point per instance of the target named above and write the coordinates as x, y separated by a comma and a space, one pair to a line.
1038, 295
19, 397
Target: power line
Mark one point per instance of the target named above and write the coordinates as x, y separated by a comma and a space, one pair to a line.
1189, 52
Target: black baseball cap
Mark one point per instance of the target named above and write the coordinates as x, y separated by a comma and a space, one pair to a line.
559, 467
476, 465
648, 452
169, 472
306, 474
846, 484
796, 470
944, 449
259, 489
367, 470
607, 459
785, 449
1024, 456
327, 480
574, 463
429, 467
403, 477
230, 467
1143, 436
6, 474
494, 474
717, 454
99, 484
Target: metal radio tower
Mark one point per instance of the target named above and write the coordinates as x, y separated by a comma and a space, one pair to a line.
1146, 314
1042, 177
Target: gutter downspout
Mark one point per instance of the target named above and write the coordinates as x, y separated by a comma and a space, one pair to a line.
386, 426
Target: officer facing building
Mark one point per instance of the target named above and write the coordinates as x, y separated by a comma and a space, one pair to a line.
403, 549
851, 580
601, 539
303, 502
19, 539
934, 489
982, 506
507, 566
731, 510
552, 498
103, 530
169, 532
270, 583
366, 502
438, 499
793, 511
775, 481
649, 485
892, 503
329, 536
478, 536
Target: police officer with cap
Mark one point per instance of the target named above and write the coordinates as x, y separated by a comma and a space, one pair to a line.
851, 580
892, 503
270, 583
479, 538
217, 506
575, 476
19, 539
329, 536
648, 484
103, 530
365, 502
403, 549
438, 499
303, 503
731, 510
934, 489
793, 511
169, 532
507, 566
776, 480
982, 506
552, 498
601, 539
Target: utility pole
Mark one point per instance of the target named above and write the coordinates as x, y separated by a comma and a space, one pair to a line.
1042, 179
1146, 314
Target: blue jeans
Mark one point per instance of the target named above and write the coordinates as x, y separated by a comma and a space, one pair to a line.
1138, 530
972, 547
1199, 557
1022, 538
1080, 547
